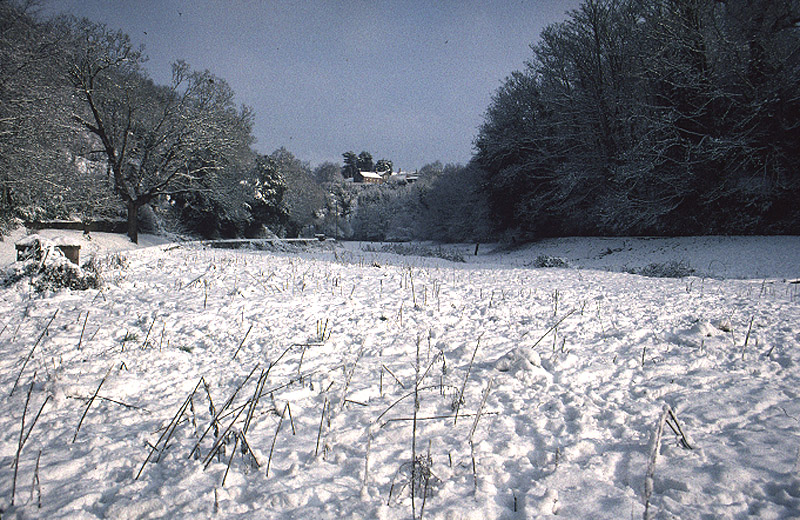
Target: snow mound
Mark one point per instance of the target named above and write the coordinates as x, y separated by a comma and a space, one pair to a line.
523, 360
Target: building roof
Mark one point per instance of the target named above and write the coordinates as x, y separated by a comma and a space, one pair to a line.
371, 175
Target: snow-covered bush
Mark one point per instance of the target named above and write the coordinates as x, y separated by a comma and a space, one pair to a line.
416, 250
549, 261
670, 269
52, 272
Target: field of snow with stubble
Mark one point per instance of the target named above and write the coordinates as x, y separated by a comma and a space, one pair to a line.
202, 382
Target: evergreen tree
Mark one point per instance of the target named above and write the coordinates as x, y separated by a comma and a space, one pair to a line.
350, 167
365, 163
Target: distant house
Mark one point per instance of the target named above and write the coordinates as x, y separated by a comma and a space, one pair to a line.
369, 177
382, 177
404, 177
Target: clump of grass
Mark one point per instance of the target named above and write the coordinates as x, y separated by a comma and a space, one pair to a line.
418, 476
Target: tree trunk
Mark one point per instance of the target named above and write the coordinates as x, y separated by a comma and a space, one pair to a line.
133, 221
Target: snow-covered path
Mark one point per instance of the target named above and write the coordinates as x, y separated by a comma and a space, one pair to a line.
575, 366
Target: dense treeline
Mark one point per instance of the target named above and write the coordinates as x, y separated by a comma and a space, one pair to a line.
631, 117
657, 117
444, 204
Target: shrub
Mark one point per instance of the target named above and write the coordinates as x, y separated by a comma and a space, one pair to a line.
53, 273
416, 250
671, 269
550, 261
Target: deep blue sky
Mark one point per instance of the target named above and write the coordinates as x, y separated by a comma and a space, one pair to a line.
405, 80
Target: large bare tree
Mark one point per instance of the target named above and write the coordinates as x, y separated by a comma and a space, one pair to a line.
157, 140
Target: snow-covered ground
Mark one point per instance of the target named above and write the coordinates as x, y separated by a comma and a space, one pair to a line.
561, 379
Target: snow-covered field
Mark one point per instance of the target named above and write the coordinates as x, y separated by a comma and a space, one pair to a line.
562, 380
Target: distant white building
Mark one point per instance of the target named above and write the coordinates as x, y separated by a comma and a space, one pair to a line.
382, 177
404, 177
369, 177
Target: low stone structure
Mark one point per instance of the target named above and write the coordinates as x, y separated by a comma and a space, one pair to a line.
33, 247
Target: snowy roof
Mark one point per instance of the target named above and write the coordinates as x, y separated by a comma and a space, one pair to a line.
371, 175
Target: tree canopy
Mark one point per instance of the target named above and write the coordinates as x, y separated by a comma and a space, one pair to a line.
663, 117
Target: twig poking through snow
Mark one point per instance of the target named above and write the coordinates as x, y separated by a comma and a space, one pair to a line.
243, 340
174, 422
275, 438
480, 408
228, 467
30, 354
466, 376
83, 329
21, 439
89, 405
651, 464
394, 376
321, 422
553, 327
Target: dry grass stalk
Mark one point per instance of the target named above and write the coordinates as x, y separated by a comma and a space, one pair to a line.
406, 396
651, 465
291, 419
460, 398
146, 336
30, 354
5, 326
103, 398
349, 376
21, 439
426, 480
554, 326
215, 418
262, 379
174, 421
474, 468
33, 423
89, 404
246, 449
220, 440
83, 329
365, 480
480, 408
436, 417
243, 340
36, 484
321, 422
195, 280
669, 418
414, 433
228, 467
275, 438
394, 376
672, 422
747, 336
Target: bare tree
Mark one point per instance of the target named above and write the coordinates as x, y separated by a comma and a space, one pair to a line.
157, 140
